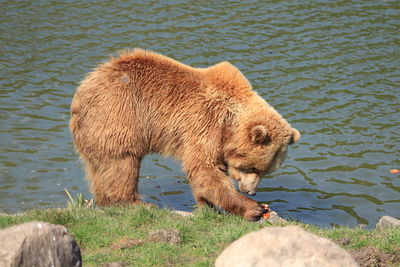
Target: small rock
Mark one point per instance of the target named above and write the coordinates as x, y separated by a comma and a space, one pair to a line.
170, 236
273, 218
387, 222
183, 213
38, 244
114, 264
362, 226
343, 241
283, 246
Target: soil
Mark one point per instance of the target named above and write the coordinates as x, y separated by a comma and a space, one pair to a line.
126, 242
171, 236
343, 241
373, 257
370, 256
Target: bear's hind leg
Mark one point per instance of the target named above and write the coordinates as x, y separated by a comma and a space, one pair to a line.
115, 181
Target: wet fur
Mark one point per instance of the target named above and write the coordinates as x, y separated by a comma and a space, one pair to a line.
141, 102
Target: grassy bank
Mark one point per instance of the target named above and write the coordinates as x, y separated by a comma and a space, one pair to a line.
121, 234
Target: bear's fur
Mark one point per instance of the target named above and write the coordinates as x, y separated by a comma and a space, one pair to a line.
209, 118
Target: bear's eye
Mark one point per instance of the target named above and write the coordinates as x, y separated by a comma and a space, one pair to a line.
249, 170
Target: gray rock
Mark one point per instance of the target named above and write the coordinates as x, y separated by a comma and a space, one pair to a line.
38, 244
387, 222
183, 213
283, 246
273, 218
171, 236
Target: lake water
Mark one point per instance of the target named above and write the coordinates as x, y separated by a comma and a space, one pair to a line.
331, 68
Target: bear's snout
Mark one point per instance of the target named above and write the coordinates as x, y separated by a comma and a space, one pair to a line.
251, 193
248, 187
248, 192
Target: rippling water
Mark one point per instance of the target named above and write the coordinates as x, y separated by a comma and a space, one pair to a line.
332, 68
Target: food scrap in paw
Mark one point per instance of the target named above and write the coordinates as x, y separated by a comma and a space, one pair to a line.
267, 211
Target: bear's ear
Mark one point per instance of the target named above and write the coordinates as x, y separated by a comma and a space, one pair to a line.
259, 134
295, 136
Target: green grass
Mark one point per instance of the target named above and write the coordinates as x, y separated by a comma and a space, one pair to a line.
387, 241
204, 236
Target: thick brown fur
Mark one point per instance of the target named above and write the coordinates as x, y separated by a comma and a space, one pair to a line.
209, 118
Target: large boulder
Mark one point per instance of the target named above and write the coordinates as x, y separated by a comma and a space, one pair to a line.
284, 246
38, 244
387, 222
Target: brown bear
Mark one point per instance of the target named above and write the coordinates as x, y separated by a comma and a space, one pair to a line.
209, 118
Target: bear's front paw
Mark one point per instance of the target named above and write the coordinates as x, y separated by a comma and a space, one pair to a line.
254, 212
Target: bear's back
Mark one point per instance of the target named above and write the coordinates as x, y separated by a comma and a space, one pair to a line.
156, 73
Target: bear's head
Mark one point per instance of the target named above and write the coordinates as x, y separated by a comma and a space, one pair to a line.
257, 144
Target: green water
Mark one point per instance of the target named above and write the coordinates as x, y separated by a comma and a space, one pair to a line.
332, 68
